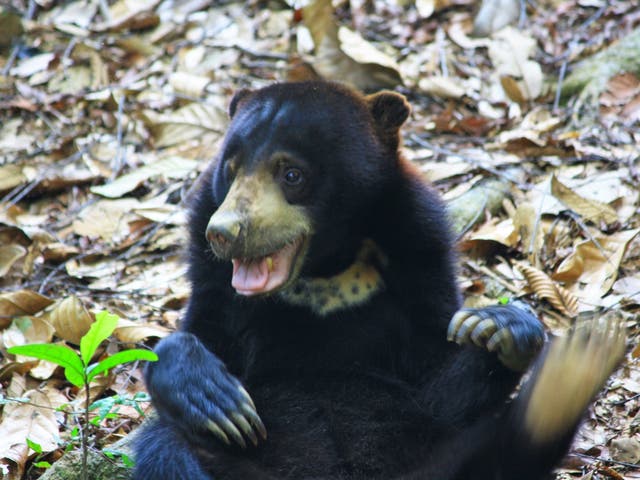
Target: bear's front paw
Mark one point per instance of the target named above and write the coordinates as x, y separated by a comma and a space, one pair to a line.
512, 331
191, 387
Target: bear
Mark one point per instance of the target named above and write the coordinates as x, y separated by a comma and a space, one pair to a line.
324, 336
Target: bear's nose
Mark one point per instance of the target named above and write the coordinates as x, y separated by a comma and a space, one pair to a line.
224, 228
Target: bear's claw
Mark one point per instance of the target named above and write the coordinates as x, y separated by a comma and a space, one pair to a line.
207, 398
512, 331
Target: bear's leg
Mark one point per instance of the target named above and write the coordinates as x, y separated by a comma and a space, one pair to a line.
162, 453
534, 432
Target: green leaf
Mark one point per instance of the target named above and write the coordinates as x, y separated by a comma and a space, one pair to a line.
58, 354
104, 326
42, 464
120, 358
127, 460
36, 447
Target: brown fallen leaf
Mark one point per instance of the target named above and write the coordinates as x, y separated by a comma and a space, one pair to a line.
546, 288
594, 263
20, 303
511, 52
107, 219
10, 254
70, 319
526, 222
133, 332
186, 123
512, 89
57, 252
125, 14
170, 167
26, 330
342, 54
35, 420
590, 210
502, 232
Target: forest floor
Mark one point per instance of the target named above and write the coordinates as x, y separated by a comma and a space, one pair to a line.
109, 110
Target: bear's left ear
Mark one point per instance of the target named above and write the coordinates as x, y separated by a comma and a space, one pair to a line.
389, 110
238, 97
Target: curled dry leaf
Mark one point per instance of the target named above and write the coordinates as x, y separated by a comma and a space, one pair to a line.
590, 210
525, 221
512, 89
10, 254
188, 122
133, 332
546, 288
57, 252
503, 232
342, 54
171, 167
108, 219
125, 14
70, 319
35, 420
534, 127
511, 51
28, 330
20, 303
594, 263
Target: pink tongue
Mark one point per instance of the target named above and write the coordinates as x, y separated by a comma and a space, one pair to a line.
251, 277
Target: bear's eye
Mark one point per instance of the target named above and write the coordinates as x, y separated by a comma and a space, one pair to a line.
293, 176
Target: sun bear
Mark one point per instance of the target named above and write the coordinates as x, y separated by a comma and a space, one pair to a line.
321, 340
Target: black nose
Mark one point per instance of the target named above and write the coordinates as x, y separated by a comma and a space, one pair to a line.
224, 228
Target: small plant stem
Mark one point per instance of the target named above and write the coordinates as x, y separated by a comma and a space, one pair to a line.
85, 432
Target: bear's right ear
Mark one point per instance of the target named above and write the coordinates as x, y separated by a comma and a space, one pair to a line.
238, 97
389, 110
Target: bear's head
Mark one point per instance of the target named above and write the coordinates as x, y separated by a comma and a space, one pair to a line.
298, 167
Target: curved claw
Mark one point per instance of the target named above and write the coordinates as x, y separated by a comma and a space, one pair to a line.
512, 331
501, 339
456, 322
231, 430
255, 420
242, 423
468, 326
246, 395
482, 331
217, 431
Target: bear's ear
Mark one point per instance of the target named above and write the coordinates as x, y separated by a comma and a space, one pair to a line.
389, 110
238, 97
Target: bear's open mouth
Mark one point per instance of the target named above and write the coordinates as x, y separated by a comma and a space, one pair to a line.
265, 274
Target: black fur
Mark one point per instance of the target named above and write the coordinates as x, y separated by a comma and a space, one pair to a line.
370, 392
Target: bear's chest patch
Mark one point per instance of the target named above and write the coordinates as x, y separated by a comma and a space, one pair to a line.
351, 287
